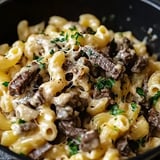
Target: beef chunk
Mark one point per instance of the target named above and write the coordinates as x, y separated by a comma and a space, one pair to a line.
37, 99
123, 146
38, 153
112, 70
140, 64
64, 113
89, 141
127, 56
27, 126
101, 93
23, 79
154, 118
70, 128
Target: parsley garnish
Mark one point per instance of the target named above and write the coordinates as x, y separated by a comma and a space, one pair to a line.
104, 83
39, 60
21, 121
73, 147
73, 28
63, 37
75, 36
140, 91
155, 98
134, 106
51, 52
115, 110
42, 65
5, 84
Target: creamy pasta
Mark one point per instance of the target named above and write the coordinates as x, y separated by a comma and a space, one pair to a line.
78, 91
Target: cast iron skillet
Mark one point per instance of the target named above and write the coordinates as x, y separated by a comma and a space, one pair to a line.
139, 16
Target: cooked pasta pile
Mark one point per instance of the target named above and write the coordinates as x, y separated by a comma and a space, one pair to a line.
78, 91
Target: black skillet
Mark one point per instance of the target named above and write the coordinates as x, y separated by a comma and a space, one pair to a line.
139, 16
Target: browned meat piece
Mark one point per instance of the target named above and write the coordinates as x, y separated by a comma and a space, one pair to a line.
39, 152
101, 93
89, 141
70, 128
154, 118
127, 56
78, 103
27, 126
23, 79
112, 70
123, 146
140, 64
67, 65
64, 113
37, 99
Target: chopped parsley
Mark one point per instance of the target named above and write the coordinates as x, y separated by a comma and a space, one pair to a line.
141, 141
154, 99
5, 84
51, 52
73, 147
104, 83
73, 28
134, 106
42, 65
140, 91
21, 121
115, 110
39, 60
75, 36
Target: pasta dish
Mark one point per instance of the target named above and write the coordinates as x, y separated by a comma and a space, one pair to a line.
76, 90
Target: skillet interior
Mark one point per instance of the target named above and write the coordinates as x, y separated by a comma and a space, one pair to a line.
137, 16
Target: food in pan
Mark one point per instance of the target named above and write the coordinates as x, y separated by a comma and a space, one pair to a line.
75, 90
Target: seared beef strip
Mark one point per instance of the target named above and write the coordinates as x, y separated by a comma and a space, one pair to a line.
154, 118
123, 146
71, 128
127, 56
140, 64
37, 99
39, 152
89, 141
27, 126
112, 70
23, 79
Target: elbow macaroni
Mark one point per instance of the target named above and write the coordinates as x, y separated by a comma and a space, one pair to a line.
75, 87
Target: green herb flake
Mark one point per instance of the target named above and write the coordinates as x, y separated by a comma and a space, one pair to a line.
73, 147
21, 121
22, 154
115, 110
5, 84
75, 36
155, 98
51, 52
42, 65
105, 83
73, 28
38, 59
134, 106
141, 141
140, 91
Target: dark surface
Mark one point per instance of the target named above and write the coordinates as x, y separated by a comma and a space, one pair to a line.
135, 15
